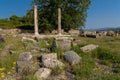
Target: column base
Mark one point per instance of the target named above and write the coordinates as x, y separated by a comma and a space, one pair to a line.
59, 34
36, 34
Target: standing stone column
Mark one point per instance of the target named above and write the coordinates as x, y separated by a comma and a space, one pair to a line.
35, 21
59, 21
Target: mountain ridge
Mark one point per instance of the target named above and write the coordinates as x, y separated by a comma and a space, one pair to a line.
104, 29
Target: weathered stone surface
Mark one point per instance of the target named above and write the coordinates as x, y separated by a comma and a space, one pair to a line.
1, 31
76, 42
61, 76
24, 63
1, 37
91, 34
63, 43
11, 31
54, 32
89, 47
24, 66
9, 78
44, 50
110, 33
6, 51
42, 73
64, 75
73, 32
52, 63
72, 57
102, 33
25, 56
26, 39
98, 34
49, 56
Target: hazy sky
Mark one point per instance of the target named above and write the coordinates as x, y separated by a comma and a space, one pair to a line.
102, 13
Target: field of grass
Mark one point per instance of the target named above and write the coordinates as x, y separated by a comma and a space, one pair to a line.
100, 64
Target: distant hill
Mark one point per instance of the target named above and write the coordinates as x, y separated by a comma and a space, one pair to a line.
104, 29
107, 29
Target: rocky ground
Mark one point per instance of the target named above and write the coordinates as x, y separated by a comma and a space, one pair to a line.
42, 58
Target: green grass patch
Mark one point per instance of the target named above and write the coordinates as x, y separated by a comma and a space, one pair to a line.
85, 68
57, 70
8, 63
104, 54
59, 53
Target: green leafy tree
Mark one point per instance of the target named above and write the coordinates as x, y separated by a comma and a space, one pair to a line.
29, 17
15, 20
74, 13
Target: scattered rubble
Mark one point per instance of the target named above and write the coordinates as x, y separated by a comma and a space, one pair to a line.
89, 47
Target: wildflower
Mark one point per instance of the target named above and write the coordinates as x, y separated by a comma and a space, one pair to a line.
2, 69
14, 62
13, 67
8, 72
2, 73
2, 76
98, 68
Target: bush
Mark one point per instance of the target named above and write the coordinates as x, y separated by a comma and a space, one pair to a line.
6, 24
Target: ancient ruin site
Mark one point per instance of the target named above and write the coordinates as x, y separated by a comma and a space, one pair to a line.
59, 40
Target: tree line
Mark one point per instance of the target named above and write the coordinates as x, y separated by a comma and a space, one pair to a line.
73, 15
14, 21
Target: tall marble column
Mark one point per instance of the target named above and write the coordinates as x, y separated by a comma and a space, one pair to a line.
59, 21
35, 21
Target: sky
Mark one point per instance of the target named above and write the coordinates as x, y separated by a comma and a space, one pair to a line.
14, 7
101, 13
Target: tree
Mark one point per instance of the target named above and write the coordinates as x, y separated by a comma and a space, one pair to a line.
29, 18
74, 13
15, 20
